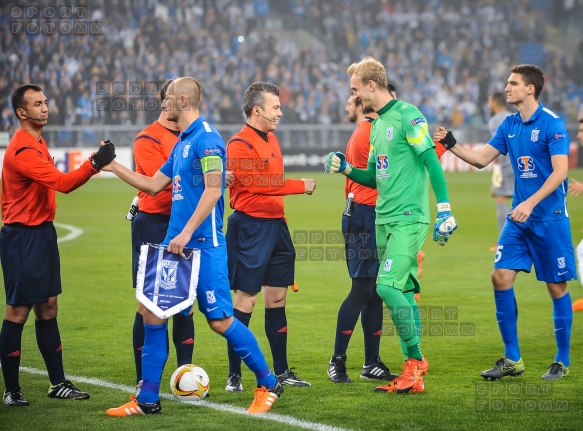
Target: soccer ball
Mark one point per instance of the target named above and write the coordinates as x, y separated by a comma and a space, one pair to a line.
189, 382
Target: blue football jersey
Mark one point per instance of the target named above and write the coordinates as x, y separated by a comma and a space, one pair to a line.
184, 166
530, 146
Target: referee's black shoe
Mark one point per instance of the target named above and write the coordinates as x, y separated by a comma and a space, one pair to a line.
14, 398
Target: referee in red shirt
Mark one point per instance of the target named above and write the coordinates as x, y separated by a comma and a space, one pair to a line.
28, 243
259, 246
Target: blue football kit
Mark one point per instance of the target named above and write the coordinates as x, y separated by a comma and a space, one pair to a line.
200, 149
545, 239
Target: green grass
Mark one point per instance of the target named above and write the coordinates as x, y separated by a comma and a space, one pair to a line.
98, 305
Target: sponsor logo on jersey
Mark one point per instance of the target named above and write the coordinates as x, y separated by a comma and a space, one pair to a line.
176, 184
525, 165
534, 135
382, 162
382, 166
177, 188
212, 151
560, 136
416, 121
390, 133
185, 151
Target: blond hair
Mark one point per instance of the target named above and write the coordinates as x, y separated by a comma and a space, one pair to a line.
370, 69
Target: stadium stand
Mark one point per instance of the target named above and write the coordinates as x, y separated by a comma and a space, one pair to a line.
446, 63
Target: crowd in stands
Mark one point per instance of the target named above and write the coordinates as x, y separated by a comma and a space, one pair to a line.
445, 56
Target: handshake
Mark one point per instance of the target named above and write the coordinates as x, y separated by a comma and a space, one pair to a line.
103, 156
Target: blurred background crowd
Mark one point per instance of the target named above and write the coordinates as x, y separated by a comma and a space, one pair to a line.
445, 56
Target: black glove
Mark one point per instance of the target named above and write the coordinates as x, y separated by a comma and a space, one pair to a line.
104, 156
449, 141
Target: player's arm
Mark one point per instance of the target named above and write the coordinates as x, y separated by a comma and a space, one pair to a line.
479, 159
212, 168
151, 185
33, 165
523, 210
254, 175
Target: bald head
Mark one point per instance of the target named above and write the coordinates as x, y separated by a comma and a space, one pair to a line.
188, 87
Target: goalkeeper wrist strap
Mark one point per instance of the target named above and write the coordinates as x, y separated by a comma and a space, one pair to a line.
443, 207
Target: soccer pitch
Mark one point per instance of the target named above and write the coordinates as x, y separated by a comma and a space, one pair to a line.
97, 309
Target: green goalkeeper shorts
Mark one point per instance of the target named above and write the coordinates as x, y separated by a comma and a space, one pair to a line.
398, 245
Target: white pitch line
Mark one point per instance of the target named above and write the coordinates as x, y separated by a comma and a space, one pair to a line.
74, 232
287, 420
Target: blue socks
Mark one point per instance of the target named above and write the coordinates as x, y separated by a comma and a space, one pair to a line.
245, 345
563, 318
507, 317
154, 356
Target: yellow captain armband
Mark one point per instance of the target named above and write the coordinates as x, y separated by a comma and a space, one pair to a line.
211, 163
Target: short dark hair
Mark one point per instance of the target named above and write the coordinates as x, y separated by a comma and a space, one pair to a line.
498, 98
164, 88
18, 95
532, 75
391, 87
255, 95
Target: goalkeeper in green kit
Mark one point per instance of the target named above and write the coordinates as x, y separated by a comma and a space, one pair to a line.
402, 161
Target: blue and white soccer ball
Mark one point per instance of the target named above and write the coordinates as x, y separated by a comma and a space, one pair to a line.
189, 382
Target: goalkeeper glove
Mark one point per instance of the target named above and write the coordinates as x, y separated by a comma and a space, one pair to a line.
445, 224
335, 162
449, 141
104, 156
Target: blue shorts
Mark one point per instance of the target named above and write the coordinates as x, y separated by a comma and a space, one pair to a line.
360, 242
546, 244
213, 293
30, 263
146, 229
261, 253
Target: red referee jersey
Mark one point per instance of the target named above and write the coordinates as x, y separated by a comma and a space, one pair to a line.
30, 179
259, 185
357, 151
152, 147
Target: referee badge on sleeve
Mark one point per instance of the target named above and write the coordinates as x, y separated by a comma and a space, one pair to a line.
166, 282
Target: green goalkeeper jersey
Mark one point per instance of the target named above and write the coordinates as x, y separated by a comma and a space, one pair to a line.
399, 135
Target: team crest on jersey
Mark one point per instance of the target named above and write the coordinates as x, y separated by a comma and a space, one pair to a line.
185, 151
168, 274
561, 262
390, 133
534, 135
210, 297
388, 264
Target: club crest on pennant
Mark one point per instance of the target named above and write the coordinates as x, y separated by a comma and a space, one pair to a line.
534, 135
168, 274
390, 133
